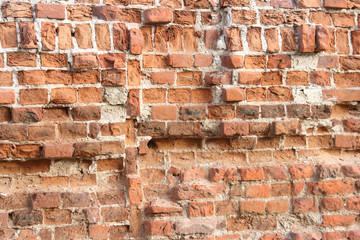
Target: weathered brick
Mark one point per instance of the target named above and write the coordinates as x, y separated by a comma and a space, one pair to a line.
54, 11
158, 16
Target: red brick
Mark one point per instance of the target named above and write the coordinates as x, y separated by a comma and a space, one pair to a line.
108, 13
180, 129
111, 77
46, 200
252, 207
121, 36
233, 39
309, 3
86, 149
232, 61
162, 228
288, 39
342, 40
250, 78
102, 36
222, 112
33, 96
244, 17
282, 3
353, 204
272, 17
179, 95
334, 235
189, 39
13, 132
234, 128
71, 232
320, 17
163, 77
21, 59
90, 76
92, 61
197, 191
331, 204
54, 11
328, 171
5, 114
134, 188
200, 209
279, 61
48, 36
335, 3
338, 220
218, 78
297, 78
254, 39
27, 114
27, 35
355, 41
280, 189
345, 20
136, 41
322, 38
7, 96
275, 172
184, 17
287, 127
53, 60
320, 78
86, 113
174, 33
83, 36
63, 95
158, 16
64, 36
306, 36
305, 236
252, 174
328, 62
351, 171
57, 150
233, 94
210, 37
255, 61
154, 61
201, 95
37, 133
57, 77
341, 95
331, 187
203, 60
17, 9
99, 232
304, 205
277, 206
257, 191
301, 171
180, 60
8, 34
272, 40
164, 112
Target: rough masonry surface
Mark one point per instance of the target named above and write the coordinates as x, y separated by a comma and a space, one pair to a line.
180, 119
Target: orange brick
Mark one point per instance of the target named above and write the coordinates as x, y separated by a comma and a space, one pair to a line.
164, 112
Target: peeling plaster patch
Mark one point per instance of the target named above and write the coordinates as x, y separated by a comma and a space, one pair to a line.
310, 96
115, 95
305, 62
113, 113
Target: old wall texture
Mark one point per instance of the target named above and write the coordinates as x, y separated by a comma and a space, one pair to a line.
180, 119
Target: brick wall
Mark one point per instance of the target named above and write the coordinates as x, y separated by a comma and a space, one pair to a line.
171, 119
